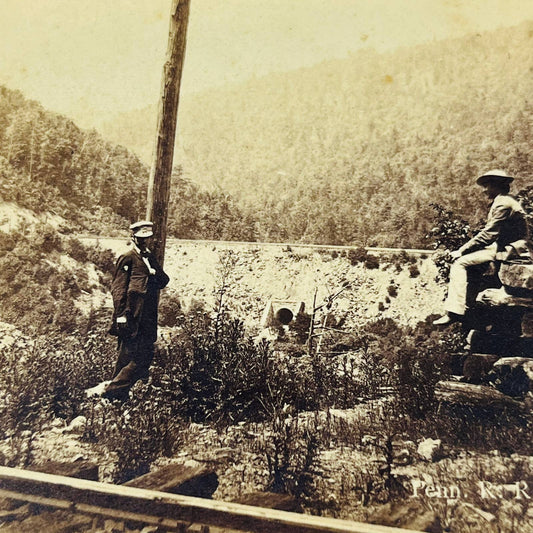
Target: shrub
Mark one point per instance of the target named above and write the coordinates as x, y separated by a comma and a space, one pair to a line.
392, 290
45, 378
357, 255
216, 371
76, 249
300, 327
169, 309
104, 260
38, 291
400, 259
290, 448
448, 232
138, 432
45, 239
414, 272
372, 262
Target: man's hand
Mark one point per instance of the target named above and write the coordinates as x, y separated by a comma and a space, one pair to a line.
122, 323
455, 254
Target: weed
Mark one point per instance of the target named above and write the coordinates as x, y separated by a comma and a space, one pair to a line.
372, 262
414, 271
290, 449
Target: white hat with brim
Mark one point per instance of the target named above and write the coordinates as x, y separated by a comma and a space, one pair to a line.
497, 176
142, 229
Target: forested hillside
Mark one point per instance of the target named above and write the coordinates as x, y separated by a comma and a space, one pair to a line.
350, 151
354, 150
48, 164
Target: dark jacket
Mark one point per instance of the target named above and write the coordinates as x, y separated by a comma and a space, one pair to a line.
135, 294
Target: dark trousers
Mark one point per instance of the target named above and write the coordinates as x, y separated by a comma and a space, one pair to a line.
135, 355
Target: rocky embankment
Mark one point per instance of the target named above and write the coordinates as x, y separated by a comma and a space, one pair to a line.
253, 275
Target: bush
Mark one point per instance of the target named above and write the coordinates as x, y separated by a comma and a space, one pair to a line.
371, 262
414, 272
357, 255
76, 249
104, 260
448, 232
290, 448
300, 327
392, 290
139, 432
217, 372
38, 291
45, 378
170, 311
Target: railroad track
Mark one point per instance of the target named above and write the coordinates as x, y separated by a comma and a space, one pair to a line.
417, 252
168, 512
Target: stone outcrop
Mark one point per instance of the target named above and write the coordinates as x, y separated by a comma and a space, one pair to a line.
499, 352
517, 276
430, 449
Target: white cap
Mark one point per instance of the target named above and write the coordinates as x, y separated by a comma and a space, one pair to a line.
143, 229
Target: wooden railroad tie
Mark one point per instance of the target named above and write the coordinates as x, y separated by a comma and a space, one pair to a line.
170, 512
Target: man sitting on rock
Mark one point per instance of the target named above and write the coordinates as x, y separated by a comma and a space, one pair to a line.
506, 224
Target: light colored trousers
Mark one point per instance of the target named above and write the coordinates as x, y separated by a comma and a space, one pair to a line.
456, 300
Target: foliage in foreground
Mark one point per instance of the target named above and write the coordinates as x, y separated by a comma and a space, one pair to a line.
209, 370
45, 379
43, 273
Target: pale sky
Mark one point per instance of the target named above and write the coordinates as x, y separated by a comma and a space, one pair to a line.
89, 59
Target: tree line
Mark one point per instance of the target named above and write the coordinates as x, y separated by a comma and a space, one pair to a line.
47, 163
351, 151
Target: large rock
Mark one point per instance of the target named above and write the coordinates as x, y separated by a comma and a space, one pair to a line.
502, 297
408, 514
430, 449
517, 275
481, 342
527, 324
513, 375
476, 367
517, 362
476, 395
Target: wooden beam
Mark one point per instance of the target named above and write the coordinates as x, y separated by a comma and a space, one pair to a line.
167, 510
163, 157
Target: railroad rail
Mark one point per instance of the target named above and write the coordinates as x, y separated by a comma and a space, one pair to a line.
255, 244
170, 512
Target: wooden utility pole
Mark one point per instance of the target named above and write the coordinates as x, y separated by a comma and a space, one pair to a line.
161, 172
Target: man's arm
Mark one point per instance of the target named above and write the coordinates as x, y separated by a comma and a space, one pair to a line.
498, 215
120, 284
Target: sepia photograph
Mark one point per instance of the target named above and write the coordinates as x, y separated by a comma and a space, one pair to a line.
266, 266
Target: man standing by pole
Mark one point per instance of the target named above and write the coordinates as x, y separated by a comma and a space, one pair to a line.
135, 289
139, 274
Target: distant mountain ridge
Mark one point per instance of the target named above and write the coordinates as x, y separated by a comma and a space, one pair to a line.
311, 151
350, 151
78, 181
